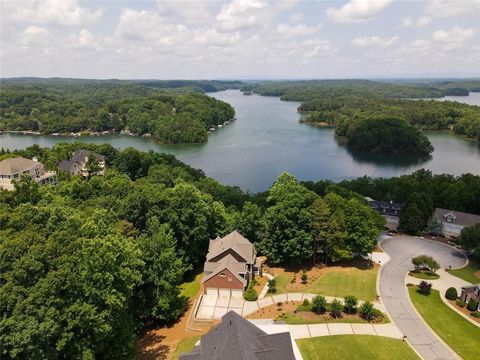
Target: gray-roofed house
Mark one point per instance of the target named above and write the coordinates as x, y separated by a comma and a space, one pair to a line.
11, 170
389, 210
236, 338
471, 292
77, 165
454, 221
230, 264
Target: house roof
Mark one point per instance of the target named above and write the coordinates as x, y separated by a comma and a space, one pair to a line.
79, 156
228, 262
66, 165
234, 241
16, 165
461, 218
235, 338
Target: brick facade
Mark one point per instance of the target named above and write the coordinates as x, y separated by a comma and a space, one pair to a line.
228, 281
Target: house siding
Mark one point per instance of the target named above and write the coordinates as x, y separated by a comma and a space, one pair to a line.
223, 282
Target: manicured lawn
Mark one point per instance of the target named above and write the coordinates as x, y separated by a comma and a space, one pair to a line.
467, 273
190, 288
185, 345
349, 281
461, 335
282, 282
294, 319
424, 274
355, 347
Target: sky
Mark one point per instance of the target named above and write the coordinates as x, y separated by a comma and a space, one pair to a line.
240, 39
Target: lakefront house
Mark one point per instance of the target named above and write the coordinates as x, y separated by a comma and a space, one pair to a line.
454, 221
77, 165
230, 265
12, 169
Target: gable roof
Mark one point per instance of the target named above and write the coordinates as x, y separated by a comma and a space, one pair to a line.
235, 338
228, 262
66, 165
80, 155
234, 241
461, 218
16, 165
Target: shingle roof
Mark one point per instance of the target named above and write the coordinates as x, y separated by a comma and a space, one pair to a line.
461, 218
16, 165
66, 165
234, 241
79, 156
229, 263
235, 338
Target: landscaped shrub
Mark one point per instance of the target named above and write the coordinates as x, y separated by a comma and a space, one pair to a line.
378, 316
350, 304
336, 309
425, 288
250, 294
367, 311
451, 293
304, 277
472, 305
461, 303
319, 304
476, 314
306, 302
305, 306
272, 285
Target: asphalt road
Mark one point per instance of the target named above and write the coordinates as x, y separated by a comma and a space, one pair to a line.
393, 291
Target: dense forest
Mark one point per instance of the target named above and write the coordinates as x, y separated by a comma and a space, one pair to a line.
346, 103
87, 264
169, 115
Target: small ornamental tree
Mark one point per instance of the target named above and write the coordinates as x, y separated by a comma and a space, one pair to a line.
350, 304
250, 294
319, 304
304, 277
451, 293
425, 288
272, 285
336, 309
472, 304
367, 311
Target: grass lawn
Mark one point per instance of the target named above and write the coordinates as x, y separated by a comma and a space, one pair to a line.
282, 282
294, 319
349, 281
470, 273
424, 274
461, 335
355, 347
185, 345
190, 288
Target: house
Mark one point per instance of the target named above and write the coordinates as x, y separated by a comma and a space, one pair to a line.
236, 338
77, 165
471, 292
389, 210
11, 170
230, 265
454, 221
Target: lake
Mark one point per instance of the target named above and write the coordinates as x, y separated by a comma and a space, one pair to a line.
267, 139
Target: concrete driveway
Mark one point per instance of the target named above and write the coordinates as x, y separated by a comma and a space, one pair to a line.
393, 291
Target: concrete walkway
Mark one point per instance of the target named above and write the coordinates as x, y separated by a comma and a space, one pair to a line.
327, 329
393, 291
214, 307
265, 289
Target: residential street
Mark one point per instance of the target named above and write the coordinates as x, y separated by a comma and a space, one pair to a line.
394, 295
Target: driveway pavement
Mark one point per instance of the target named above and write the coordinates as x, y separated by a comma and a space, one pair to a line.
393, 291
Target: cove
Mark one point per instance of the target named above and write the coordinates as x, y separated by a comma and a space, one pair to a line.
267, 139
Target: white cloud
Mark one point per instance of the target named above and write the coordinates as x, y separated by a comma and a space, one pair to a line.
60, 12
419, 23
373, 41
453, 38
357, 11
212, 37
190, 12
297, 30
35, 31
448, 8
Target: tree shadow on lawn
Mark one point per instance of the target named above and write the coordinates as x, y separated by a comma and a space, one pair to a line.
150, 347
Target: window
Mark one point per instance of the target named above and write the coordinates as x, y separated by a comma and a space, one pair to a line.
222, 274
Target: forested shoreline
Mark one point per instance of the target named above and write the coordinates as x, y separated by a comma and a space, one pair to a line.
181, 114
89, 263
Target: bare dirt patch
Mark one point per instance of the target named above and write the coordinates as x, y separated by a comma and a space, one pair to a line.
261, 281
